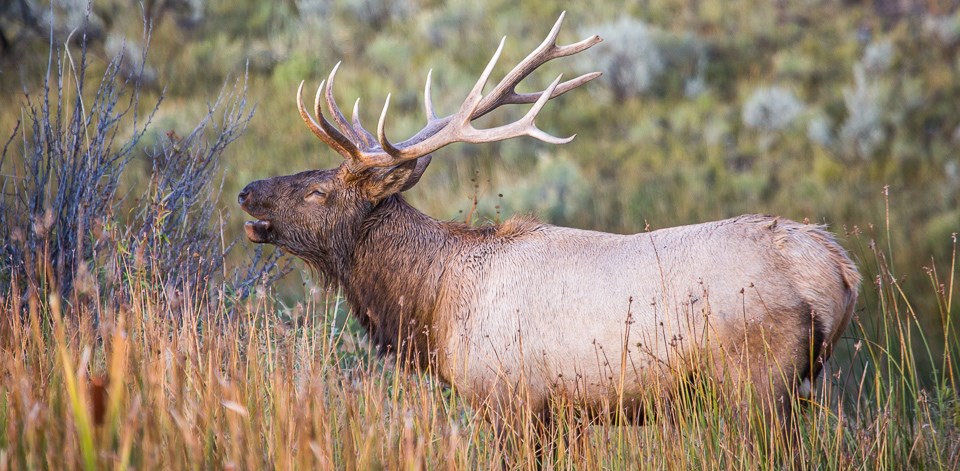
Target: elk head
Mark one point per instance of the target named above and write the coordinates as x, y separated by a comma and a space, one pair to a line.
317, 214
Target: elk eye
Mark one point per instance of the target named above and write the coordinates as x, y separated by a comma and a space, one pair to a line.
316, 194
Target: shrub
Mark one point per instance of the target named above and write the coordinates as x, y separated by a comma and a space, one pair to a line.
771, 109
945, 29
629, 57
820, 131
70, 165
877, 57
73, 218
862, 133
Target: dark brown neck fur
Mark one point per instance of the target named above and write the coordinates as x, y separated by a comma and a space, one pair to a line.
398, 270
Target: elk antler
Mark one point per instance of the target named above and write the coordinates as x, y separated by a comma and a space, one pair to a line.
364, 150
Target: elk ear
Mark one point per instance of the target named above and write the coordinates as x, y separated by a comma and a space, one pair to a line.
383, 182
422, 163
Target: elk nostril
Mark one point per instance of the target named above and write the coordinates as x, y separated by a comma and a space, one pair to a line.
243, 196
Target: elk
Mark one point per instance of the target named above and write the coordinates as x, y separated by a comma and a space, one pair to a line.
602, 319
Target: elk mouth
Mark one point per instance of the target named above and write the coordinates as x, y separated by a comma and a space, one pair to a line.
259, 231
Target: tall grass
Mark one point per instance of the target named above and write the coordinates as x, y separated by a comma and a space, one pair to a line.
292, 388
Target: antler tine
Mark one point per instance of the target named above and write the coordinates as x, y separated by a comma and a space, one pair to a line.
339, 142
428, 99
505, 91
582, 45
475, 97
341, 120
512, 99
366, 137
524, 127
381, 134
551, 40
316, 128
524, 98
467, 108
463, 131
443, 134
434, 124
307, 119
531, 127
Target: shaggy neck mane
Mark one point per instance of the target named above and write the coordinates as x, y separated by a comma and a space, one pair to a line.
394, 275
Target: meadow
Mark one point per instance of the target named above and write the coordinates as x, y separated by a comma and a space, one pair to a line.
139, 331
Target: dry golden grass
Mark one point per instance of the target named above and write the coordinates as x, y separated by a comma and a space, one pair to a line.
164, 379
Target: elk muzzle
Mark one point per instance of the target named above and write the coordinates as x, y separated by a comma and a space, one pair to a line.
261, 230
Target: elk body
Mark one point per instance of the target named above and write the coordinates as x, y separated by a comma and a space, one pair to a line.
602, 319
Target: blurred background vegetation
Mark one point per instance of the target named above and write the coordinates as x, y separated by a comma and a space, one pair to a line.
810, 109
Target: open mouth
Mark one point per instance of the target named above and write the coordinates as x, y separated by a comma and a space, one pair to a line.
259, 231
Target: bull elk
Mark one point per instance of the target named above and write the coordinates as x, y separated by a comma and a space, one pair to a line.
602, 319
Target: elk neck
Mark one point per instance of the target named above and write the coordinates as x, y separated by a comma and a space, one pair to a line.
393, 277
403, 261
